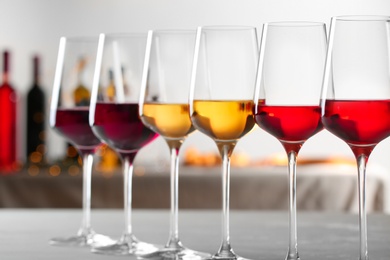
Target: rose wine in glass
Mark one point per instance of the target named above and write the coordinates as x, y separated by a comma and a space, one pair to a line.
288, 92
115, 121
356, 93
164, 109
69, 116
221, 99
291, 125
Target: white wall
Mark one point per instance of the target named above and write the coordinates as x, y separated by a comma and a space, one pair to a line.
28, 27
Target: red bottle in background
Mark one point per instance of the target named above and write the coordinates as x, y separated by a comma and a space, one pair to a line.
7, 121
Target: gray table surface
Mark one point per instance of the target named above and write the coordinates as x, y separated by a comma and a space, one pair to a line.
24, 233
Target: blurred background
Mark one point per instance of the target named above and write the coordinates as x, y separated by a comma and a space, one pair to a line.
31, 28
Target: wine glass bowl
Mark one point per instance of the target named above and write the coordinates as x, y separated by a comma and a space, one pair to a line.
356, 93
119, 126
288, 92
224, 121
221, 99
114, 120
168, 77
164, 109
71, 123
158, 116
69, 115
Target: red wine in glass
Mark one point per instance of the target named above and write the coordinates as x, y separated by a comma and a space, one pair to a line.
73, 124
119, 125
69, 116
115, 121
360, 123
291, 125
288, 90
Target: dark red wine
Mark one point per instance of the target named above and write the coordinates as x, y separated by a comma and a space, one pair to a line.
73, 124
120, 127
7, 120
358, 122
289, 123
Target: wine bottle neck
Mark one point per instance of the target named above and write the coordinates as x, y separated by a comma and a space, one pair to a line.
36, 70
5, 68
5, 78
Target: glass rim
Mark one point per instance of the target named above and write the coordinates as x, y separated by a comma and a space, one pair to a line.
81, 38
361, 18
173, 31
227, 27
124, 34
295, 24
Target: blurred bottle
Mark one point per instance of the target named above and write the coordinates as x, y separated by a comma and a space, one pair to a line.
110, 89
108, 159
125, 86
81, 94
81, 97
36, 118
7, 120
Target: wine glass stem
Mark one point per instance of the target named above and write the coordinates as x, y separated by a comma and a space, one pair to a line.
127, 194
225, 202
361, 162
87, 174
292, 172
226, 250
174, 241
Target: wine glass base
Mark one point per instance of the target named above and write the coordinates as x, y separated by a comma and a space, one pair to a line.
292, 256
127, 245
177, 253
236, 257
82, 240
229, 255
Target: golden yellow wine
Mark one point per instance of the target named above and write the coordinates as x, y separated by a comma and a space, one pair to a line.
223, 120
169, 120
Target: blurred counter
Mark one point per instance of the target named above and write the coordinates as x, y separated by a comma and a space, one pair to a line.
330, 187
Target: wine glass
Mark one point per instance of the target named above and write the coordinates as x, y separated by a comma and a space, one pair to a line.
164, 109
288, 92
356, 92
69, 110
221, 99
114, 119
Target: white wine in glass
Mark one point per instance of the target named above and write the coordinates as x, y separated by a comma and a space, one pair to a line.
221, 99
164, 109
